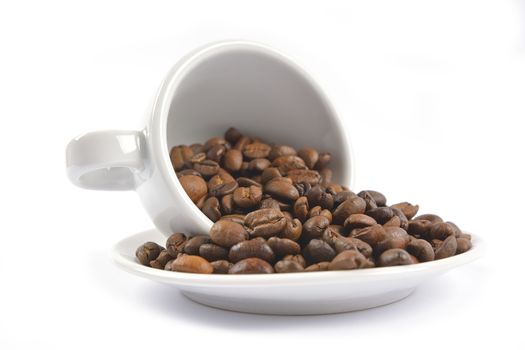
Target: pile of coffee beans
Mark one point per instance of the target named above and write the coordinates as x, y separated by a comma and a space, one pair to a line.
276, 209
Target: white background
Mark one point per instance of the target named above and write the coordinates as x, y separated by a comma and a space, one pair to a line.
432, 94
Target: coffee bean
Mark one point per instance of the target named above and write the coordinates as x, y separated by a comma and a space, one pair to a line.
227, 204
408, 209
321, 266
265, 222
298, 258
214, 141
393, 222
211, 209
247, 182
292, 230
197, 158
232, 160
394, 257
194, 186
270, 203
281, 150
207, 168
326, 180
447, 248
455, 228
323, 160
232, 135
222, 184
378, 197
354, 205
190, 263
371, 234
258, 165
441, 230
288, 266
283, 246
213, 252
301, 208
161, 260
381, 214
256, 150
419, 228
221, 266
175, 243
310, 177
216, 153
269, 173
181, 157
237, 218
463, 245
197, 148
318, 196
403, 221
287, 163
395, 237
247, 197
227, 233
147, 252
254, 248
348, 260
281, 189
309, 155
433, 218
242, 142
314, 227
201, 201
318, 250
358, 221
421, 249
349, 243
342, 196
193, 244
369, 200
251, 266
188, 172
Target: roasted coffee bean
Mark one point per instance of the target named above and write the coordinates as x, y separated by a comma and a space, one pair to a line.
265, 222
188, 172
310, 177
318, 250
321, 266
408, 209
181, 157
283, 246
348, 260
447, 248
232, 160
301, 208
247, 197
463, 245
161, 260
441, 230
189, 263
213, 252
247, 182
281, 150
455, 228
298, 258
403, 221
237, 218
221, 266
369, 200
270, 203
342, 196
309, 155
288, 266
323, 160
281, 189
254, 248
251, 266
216, 153
435, 243
227, 204
256, 150
394, 257
315, 211
242, 142
433, 218
326, 180
175, 243
194, 186
353, 205
465, 235
358, 221
371, 234
211, 209
349, 243
314, 227
327, 214
381, 214
269, 173
287, 163
378, 197
232, 135
258, 165
318, 196
197, 148
193, 244
201, 201
394, 222
214, 141
292, 230
207, 168
197, 158
419, 228
148, 252
395, 237
222, 184
227, 233
421, 249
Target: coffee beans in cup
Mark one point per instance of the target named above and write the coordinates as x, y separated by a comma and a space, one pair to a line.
276, 210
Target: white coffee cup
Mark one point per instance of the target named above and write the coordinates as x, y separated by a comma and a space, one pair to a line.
242, 84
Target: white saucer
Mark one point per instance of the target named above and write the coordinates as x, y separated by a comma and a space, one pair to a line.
292, 293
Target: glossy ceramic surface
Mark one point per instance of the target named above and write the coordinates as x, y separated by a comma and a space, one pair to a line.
292, 293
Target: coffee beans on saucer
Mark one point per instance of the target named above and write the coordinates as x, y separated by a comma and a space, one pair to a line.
276, 210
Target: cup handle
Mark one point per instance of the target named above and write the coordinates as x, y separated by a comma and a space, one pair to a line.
106, 160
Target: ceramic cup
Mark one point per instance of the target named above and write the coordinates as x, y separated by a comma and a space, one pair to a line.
247, 85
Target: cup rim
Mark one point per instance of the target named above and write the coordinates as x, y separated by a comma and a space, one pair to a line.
162, 103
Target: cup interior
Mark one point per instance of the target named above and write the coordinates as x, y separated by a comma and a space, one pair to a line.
261, 93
